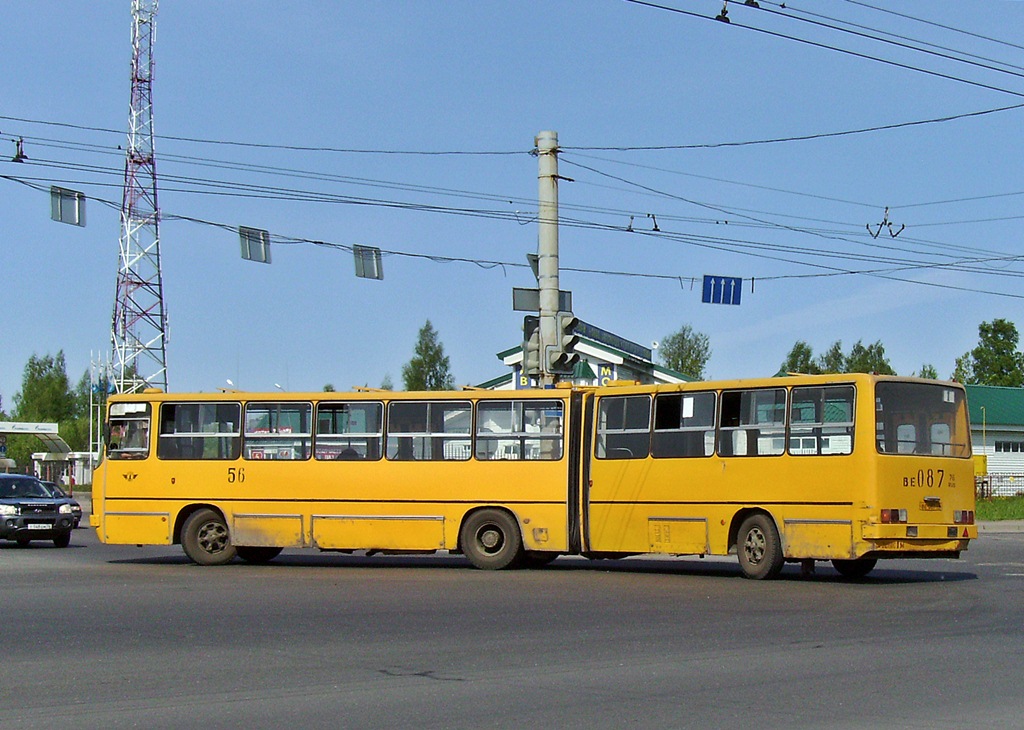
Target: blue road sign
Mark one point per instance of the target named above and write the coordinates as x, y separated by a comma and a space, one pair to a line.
722, 289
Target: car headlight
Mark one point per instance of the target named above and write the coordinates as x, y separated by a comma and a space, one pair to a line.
65, 509
8, 510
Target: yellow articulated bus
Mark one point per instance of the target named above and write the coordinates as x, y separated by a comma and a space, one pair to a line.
846, 468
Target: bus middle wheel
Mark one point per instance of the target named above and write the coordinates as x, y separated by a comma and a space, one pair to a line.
490, 539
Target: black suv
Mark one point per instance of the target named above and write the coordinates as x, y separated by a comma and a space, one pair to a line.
28, 511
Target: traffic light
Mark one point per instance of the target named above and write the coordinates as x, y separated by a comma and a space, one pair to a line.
563, 357
531, 345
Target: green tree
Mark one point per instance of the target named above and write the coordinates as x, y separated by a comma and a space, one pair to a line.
995, 360
868, 359
686, 351
928, 371
46, 397
76, 431
429, 369
386, 383
45, 391
860, 359
833, 361
963, 372
800, 360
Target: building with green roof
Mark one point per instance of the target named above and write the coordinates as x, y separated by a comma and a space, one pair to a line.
604, 357
997, 427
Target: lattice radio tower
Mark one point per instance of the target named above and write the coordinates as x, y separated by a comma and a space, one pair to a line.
139, 331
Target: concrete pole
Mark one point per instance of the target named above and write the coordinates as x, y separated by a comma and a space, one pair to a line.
547, 249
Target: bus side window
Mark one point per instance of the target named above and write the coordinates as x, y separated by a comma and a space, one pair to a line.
753, 422
275, 431
684, 425
429, 430
821, 421
624, 427
200, 431
513, 430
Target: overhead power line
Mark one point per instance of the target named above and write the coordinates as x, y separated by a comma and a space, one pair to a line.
826, 46
788, 11
734, 246
936, 25
795, 138
264, 145
736, 216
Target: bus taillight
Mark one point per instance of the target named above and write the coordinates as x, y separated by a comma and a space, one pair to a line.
963, 517
893, 516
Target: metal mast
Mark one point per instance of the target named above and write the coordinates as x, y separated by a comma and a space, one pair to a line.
139, 331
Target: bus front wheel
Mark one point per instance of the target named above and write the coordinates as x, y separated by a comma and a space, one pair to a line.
206, 539
490, 539
759, 548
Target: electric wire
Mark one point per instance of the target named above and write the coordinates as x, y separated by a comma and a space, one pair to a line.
826, 46
193, 185
182, 184
936, 25
289, 147
720, 209
785, 7
704, 242
313, 196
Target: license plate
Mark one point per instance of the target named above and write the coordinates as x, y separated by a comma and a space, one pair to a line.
38, 526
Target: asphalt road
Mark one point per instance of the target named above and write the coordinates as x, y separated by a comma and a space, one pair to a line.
110, 636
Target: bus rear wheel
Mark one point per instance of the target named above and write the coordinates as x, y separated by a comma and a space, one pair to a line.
854, 568
759, 548
490, 539
257, 555
206, 538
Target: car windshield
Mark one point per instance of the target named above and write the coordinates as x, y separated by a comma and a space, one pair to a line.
15, 488
54, 490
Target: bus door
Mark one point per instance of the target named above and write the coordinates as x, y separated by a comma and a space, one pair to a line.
618, 451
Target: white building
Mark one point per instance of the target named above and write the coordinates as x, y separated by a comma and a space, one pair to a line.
997, 434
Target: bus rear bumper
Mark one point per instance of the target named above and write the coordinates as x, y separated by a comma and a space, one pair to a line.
918, 534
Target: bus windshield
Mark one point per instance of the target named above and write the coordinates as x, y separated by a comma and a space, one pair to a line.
921, 418
128, 431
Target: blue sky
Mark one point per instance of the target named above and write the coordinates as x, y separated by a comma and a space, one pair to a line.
486, 77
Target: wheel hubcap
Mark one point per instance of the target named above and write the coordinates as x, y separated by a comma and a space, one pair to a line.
490, 539
213, 537
754, 546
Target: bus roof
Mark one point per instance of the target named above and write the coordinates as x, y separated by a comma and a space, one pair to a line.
559, 392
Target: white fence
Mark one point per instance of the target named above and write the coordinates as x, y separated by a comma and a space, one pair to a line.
1000, 485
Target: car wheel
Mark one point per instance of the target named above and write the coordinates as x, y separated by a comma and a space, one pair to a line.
62, 540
